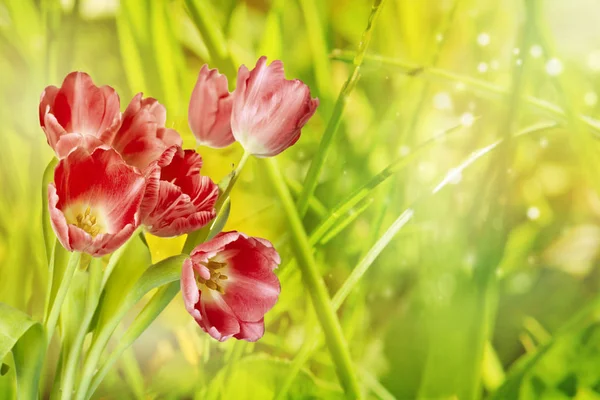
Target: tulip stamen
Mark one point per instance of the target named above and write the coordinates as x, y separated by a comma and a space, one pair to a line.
216, 276
87, 222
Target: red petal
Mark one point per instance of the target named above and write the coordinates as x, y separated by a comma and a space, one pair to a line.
251, 331
217, 318
103, 180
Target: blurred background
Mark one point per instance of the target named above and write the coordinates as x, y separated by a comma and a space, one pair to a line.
485, 111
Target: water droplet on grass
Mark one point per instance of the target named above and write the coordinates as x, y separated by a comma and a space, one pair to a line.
533, 213
536, 51
442, 101
554, 67
483, 39
590, 99
593, 60
467, 119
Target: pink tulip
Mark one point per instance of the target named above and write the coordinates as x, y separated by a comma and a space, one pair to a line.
268, 110
209, 112
228, 285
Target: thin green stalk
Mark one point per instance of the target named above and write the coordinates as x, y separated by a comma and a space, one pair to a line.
50, 322
314, 204
413, 69
200, 235
92, 298
315, 286
314, 171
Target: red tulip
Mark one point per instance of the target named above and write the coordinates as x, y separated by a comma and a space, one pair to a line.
79, 106
178, 199
95, 201
142, 137
228, 285
268, 110
209, 113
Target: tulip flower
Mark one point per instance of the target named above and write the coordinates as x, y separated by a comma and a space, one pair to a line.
209, 112
228, 285
95, 200
268, 110
142, 137
178, 199
81, 107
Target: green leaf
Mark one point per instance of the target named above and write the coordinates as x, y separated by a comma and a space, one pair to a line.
259, 377
151, 311
25, 337
131, 263
220, 221
119, 301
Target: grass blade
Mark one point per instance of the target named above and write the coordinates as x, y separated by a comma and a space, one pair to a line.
312, 177
315, 286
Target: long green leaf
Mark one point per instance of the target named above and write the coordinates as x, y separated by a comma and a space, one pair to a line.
162, 273
25, 337
151, 311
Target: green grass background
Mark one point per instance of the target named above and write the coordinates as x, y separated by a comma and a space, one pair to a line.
491, 286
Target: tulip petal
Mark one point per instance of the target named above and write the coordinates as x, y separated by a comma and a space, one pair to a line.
217, 318
209, 112
269, 111
251, 331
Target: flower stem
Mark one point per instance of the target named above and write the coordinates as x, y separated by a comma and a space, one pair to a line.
315, 286
93, 296
50, 322
199, 236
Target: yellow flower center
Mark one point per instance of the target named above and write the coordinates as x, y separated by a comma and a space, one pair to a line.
216, 276
84, 219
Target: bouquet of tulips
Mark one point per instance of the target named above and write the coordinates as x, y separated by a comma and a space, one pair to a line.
117, 176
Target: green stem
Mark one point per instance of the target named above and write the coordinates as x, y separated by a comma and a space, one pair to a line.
93, 296
315, 286
199, 236
312, 177
50, 322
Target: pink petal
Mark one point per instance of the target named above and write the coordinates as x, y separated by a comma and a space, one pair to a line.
209, 111
251, 331
269, 111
